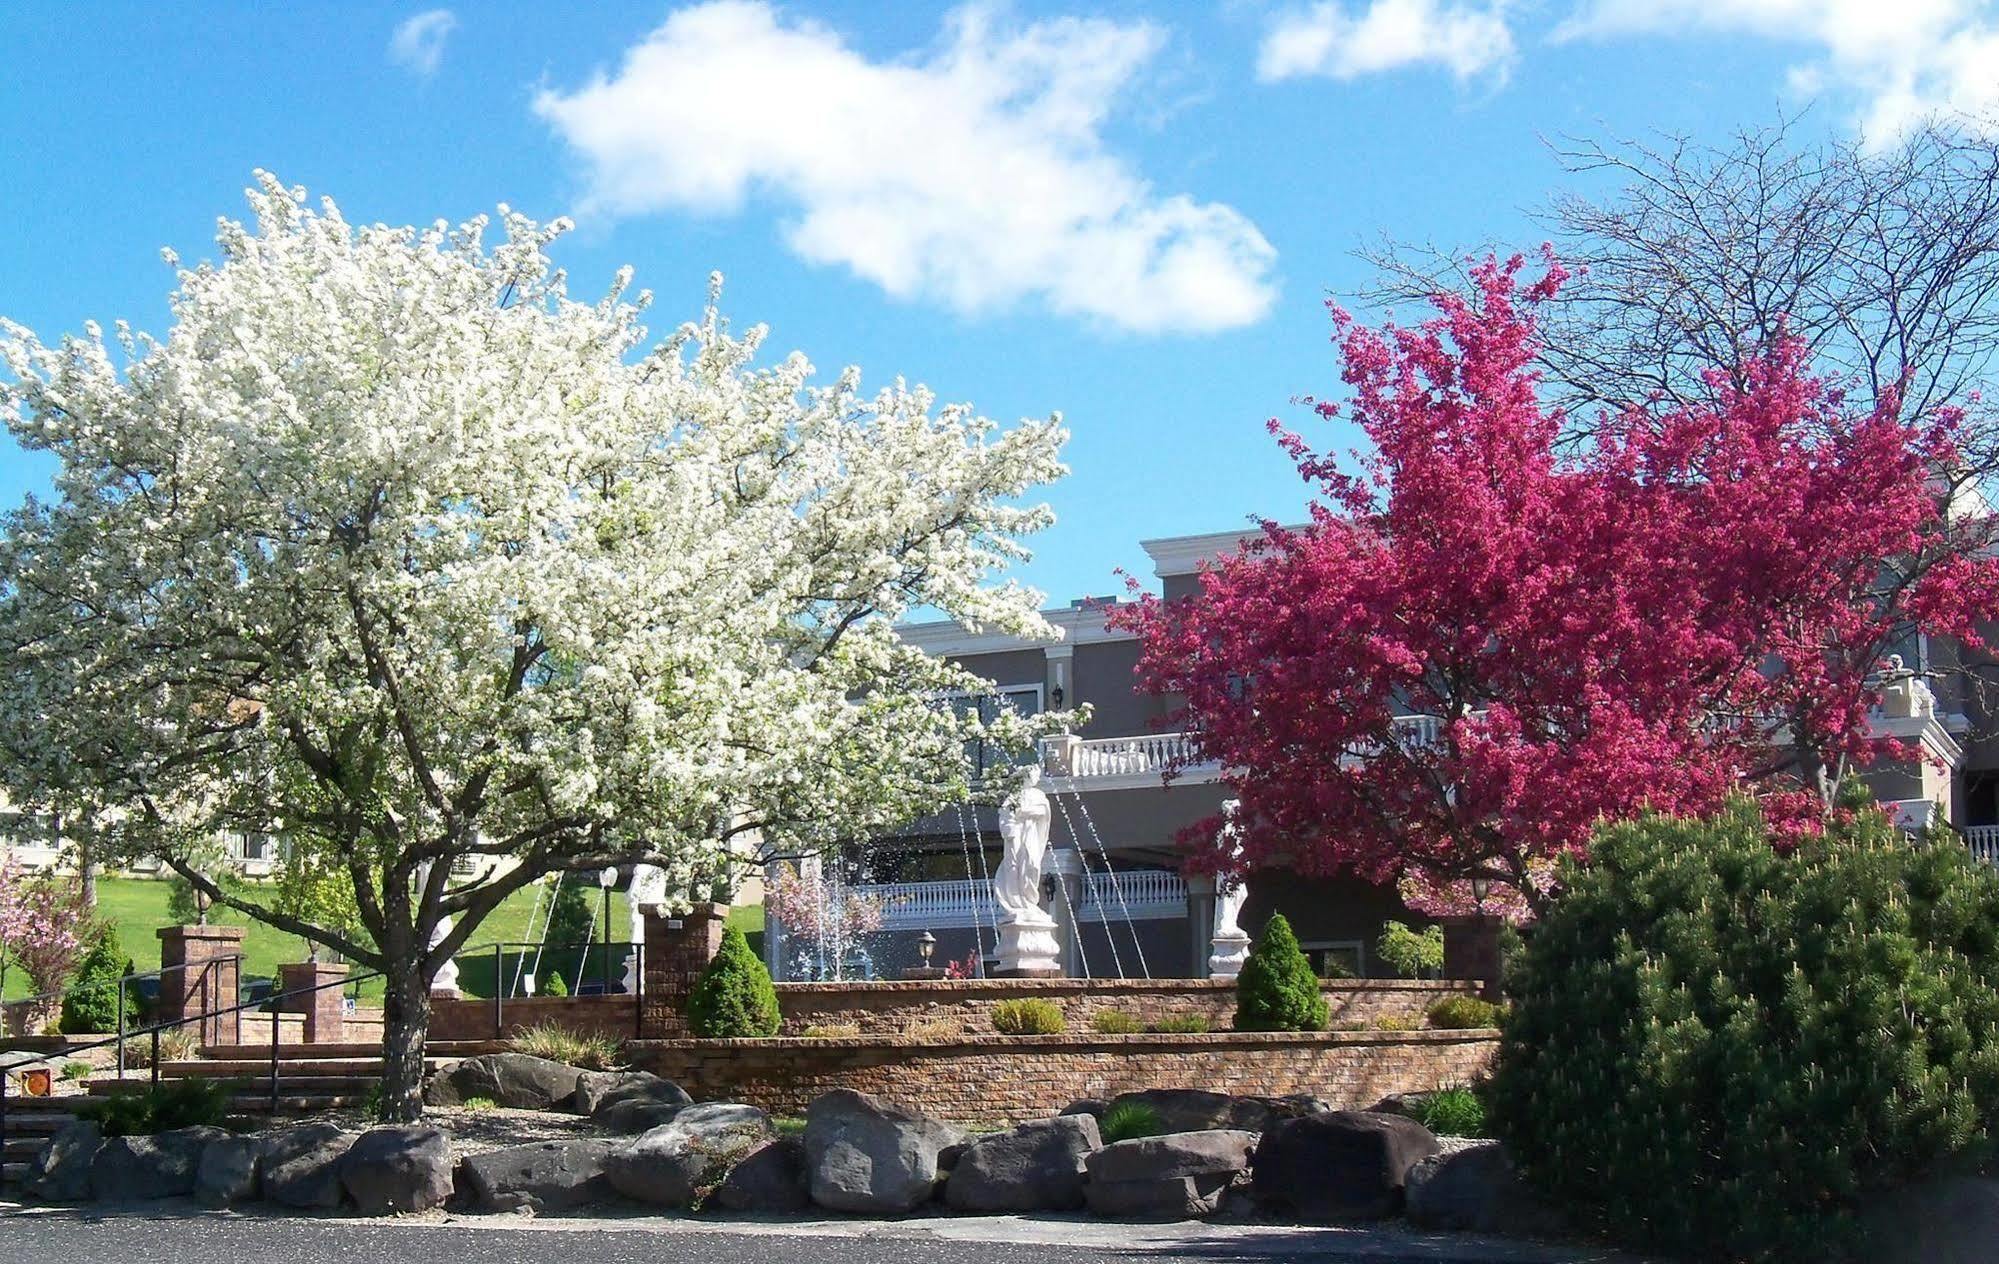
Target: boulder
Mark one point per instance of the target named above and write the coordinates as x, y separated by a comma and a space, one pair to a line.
230, 1170
1342, 1165
867, 1155
505, 1079
1094, 1107
596, 1090
1941, 1220
397, 1169
543, 1177
1172, 1177
61, 1172
159, 1166
1475, 1188
771, 1179
1037, 1166
302, 1165
676, 1164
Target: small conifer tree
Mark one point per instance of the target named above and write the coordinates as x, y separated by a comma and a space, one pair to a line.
734, 996
1277, 990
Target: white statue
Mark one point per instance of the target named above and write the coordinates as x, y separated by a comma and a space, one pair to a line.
1231, 944
1024, 823
1904, 694
1027, 943
648, 889
445, 981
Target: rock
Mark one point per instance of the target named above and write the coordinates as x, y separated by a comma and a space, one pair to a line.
230, 1170
398, 1169
770, 1179
1343, 1165
675, 1164
864, 1154
1475, 1188
1942, 1220
1409, 1104
159, 1166
1094, 1107
547, 1176
1196, 1110
1035, 1167
61, 1172
596, 1089
505, 1079
1172, 1177
638, 1102
302, 1165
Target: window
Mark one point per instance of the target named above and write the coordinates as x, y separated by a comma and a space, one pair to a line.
1019, 699
1336, 958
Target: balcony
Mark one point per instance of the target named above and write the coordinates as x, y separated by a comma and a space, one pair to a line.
1141, 894
1983, 842
1130, 763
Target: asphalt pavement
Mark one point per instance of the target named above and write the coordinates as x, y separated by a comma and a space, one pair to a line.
184, 1234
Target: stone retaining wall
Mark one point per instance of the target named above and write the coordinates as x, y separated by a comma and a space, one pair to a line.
965, 1006
473, 1019
1008, 1079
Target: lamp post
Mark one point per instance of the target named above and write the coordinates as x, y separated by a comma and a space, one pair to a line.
607, 879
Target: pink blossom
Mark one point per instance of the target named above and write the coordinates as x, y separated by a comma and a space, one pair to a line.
1696, 603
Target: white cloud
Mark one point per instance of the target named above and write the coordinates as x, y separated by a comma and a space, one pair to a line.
975, 174
1903, 58
1328, 39
418, 44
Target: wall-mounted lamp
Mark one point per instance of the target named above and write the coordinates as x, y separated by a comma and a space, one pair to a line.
1056, 695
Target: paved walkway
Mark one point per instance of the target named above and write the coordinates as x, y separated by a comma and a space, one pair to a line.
177, 1233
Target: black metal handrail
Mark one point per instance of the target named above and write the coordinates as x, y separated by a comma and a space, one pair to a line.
153, 1031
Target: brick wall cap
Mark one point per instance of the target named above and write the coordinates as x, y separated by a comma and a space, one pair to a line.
973, 987
1090, 1042
232, 933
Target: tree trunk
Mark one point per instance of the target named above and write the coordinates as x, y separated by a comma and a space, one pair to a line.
405, 1025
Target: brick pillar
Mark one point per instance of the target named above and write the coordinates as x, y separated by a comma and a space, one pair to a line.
678, 948
201, 974
326, 1009
1471, 951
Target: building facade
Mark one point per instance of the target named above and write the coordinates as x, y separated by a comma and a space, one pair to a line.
1117, 820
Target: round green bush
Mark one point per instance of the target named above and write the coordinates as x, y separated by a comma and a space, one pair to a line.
733, 996
1459, 1013
1277, 990
91, 1005
1028, 1016
1723, 1048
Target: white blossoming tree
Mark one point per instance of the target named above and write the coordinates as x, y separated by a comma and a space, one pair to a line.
393, 548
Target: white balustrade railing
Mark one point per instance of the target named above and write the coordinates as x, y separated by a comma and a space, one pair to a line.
1142, 893
1121, 756
1983, 840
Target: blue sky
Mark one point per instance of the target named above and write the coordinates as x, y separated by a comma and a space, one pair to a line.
1131, 213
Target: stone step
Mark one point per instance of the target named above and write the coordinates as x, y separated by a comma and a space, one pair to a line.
258, 1086
436, 1049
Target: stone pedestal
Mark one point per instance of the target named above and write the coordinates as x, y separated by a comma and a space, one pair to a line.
201, 971
1471, 951
325, 1010
1227, 955
924, 974
1028, 948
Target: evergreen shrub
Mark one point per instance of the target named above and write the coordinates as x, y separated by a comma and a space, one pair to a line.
1724, 1043
1277, 990
734, 996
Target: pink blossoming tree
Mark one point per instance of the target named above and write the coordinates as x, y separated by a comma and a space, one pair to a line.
1698, 602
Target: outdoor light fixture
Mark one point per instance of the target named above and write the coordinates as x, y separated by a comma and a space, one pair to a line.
607, 879
200, 907
1056, 695
926, 946
1481, 886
